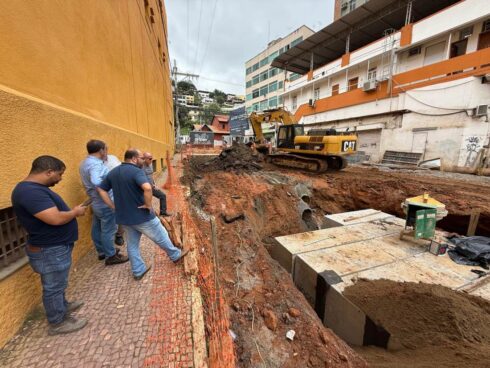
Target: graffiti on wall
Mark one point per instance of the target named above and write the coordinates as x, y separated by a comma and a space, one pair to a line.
473, 145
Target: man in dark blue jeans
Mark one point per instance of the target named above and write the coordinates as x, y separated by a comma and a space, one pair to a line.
53, 230
132, 203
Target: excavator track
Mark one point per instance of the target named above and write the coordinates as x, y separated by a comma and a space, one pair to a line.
311, 164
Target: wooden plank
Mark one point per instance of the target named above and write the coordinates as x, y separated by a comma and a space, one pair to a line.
475, 216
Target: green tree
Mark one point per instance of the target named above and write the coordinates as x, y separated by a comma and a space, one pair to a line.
186, 88
207, 113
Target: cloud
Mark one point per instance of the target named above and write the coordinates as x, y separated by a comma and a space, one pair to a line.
240, 30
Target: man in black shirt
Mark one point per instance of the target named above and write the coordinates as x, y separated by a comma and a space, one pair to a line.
53, 230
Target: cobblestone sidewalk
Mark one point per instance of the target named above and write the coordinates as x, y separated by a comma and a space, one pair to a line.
146, 323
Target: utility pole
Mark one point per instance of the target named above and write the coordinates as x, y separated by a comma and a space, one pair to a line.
175, 75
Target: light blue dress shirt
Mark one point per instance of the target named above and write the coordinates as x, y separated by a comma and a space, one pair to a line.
92, 172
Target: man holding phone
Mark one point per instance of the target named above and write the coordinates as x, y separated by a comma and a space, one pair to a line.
53, 230
92, 172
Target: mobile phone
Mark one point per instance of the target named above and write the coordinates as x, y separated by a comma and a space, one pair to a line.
88, 202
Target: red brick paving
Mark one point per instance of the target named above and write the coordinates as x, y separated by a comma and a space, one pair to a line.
132, 323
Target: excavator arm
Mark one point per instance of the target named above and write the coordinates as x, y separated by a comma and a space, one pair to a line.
279, 115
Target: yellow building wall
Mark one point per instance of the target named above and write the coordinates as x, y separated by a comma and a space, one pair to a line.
71, 71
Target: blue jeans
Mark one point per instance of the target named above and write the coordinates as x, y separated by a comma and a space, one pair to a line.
103, 230
53, 264
154, 230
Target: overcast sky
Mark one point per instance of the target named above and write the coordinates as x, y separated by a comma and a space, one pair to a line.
214, 38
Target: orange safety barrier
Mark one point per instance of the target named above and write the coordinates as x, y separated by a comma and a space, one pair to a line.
221, 352
170, 174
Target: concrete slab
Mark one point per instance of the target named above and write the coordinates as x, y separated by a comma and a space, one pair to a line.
287, 247
324, 262
355, 217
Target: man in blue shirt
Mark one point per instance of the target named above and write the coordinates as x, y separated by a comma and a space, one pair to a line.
92, 172
53, 230
132, 203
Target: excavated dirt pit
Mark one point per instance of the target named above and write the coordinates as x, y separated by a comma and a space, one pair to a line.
252, 205
436, 326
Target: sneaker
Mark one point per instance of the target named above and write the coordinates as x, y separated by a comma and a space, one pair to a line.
116, 259
166, 214
69, 324
139, 277
119, 240
182, 255
73, 306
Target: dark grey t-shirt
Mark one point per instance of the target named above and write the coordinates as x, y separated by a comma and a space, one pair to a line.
149, 174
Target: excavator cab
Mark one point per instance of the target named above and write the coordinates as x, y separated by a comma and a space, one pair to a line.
287, 133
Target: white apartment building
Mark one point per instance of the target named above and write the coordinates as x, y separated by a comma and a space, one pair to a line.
421, 87
263, 82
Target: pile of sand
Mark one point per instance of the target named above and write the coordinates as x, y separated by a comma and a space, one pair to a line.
432, 322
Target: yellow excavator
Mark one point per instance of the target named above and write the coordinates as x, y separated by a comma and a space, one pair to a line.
317, 151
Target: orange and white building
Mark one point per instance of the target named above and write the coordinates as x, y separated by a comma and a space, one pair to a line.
408, 76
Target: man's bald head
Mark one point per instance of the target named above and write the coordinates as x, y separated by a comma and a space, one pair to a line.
134, 156
148, 157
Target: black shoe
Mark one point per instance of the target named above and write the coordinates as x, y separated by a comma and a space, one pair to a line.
101, 257
139, 277
70, 324
166, 214
119, 240
116, 259
73, 306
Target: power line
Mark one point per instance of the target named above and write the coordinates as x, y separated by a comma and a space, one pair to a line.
220, 81
209, 35
198, 36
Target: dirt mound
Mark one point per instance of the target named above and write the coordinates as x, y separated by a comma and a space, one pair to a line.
453, 326
238, 158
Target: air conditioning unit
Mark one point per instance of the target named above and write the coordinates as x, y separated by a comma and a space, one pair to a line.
369, 85
481, 110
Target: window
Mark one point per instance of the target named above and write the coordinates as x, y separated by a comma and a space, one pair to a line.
352, 5
486, 26
371, 76
255, 93
264, 76
273, 56
295, 102
296, 41
249, 97
281, 50
316, 94
255, 67
255, 106
273, 72
263, 105
249, 83
273, 86
335, 89
458, 48
280, 84
294, 76
249, 110
255, 80
12, 236
414, 51
484, 36
465, 32
264, 62
249, 70
263, 91
353, 83
273, 102
280, 100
